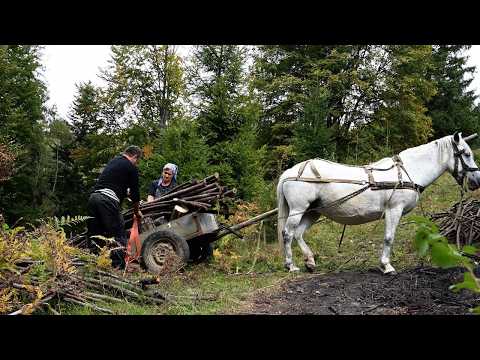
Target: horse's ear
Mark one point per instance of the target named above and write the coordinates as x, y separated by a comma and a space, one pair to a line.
470, 137
456, 137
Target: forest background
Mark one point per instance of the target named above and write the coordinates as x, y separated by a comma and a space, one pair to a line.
246, 112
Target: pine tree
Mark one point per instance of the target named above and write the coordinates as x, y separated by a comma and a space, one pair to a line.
216, 83
227, 114
22, 120
85, 115
286, 76
145, 84
407, 90
311, 134
453, 107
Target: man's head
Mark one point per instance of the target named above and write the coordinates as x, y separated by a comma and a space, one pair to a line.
133, 153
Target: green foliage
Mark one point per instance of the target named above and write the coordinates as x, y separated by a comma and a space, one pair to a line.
86, 114
179, 143
445, 255
386, 87
145, 85
312, 138
408, 89
21, 119
453, 107
240, 163
69, 221
216, 79
227, 116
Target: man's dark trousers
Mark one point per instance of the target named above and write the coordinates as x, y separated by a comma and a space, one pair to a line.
107, 221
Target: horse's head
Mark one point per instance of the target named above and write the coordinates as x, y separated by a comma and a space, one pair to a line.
463, 163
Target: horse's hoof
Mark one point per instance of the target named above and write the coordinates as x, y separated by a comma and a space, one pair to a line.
388, 270
292, 268
310, 267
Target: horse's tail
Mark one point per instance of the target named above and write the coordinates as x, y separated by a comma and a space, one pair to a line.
282, 211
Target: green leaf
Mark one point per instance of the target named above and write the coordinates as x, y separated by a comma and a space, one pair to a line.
420, 220
5, 227
421, 242
469, 249
475, 310
444, 256
435, 237
468, 283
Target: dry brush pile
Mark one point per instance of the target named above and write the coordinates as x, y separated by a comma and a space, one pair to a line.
461, 223
39, 268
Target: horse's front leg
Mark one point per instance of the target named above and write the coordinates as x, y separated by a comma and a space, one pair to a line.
392, 218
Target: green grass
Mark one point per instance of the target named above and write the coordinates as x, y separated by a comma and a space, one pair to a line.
241, 269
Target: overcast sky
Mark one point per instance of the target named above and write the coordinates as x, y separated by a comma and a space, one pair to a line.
67, 65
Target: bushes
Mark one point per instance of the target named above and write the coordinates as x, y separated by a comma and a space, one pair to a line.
181, 144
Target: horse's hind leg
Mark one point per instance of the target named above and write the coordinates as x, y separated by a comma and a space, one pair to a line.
307, 220
288, 236
392, 218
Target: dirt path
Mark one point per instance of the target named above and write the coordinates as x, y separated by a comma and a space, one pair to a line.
416, 291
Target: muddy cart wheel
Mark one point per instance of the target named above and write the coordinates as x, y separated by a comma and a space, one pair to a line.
164, 251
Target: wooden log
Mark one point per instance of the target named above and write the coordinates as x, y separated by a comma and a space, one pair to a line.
230, 193
214, 194
176, 194
194, 204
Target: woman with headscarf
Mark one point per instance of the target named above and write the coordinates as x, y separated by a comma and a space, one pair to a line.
167, 182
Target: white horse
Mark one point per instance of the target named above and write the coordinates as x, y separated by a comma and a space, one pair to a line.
359, 194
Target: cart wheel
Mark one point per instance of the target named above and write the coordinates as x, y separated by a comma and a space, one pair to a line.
200, 251
164, 251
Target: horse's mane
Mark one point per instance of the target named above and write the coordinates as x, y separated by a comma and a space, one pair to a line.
444, 143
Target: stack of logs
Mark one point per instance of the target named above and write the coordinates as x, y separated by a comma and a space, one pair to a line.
461, 223
94, 288
193, 196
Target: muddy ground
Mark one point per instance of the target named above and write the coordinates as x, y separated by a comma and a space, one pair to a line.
422, 290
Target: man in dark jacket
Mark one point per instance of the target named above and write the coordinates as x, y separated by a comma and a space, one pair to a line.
104, 204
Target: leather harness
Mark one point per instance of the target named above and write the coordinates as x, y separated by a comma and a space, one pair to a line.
372, 184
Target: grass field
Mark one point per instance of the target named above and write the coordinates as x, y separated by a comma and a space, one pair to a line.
241, 269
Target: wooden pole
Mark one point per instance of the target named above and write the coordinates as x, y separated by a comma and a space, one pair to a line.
248, 222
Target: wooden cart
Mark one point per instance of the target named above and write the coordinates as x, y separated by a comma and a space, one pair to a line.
187, 238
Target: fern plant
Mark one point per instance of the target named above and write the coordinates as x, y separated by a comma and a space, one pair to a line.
69, 221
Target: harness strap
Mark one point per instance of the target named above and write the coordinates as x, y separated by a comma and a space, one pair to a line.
399, 164
372, 184
371, 180
314, 170
300, 171
323, 180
